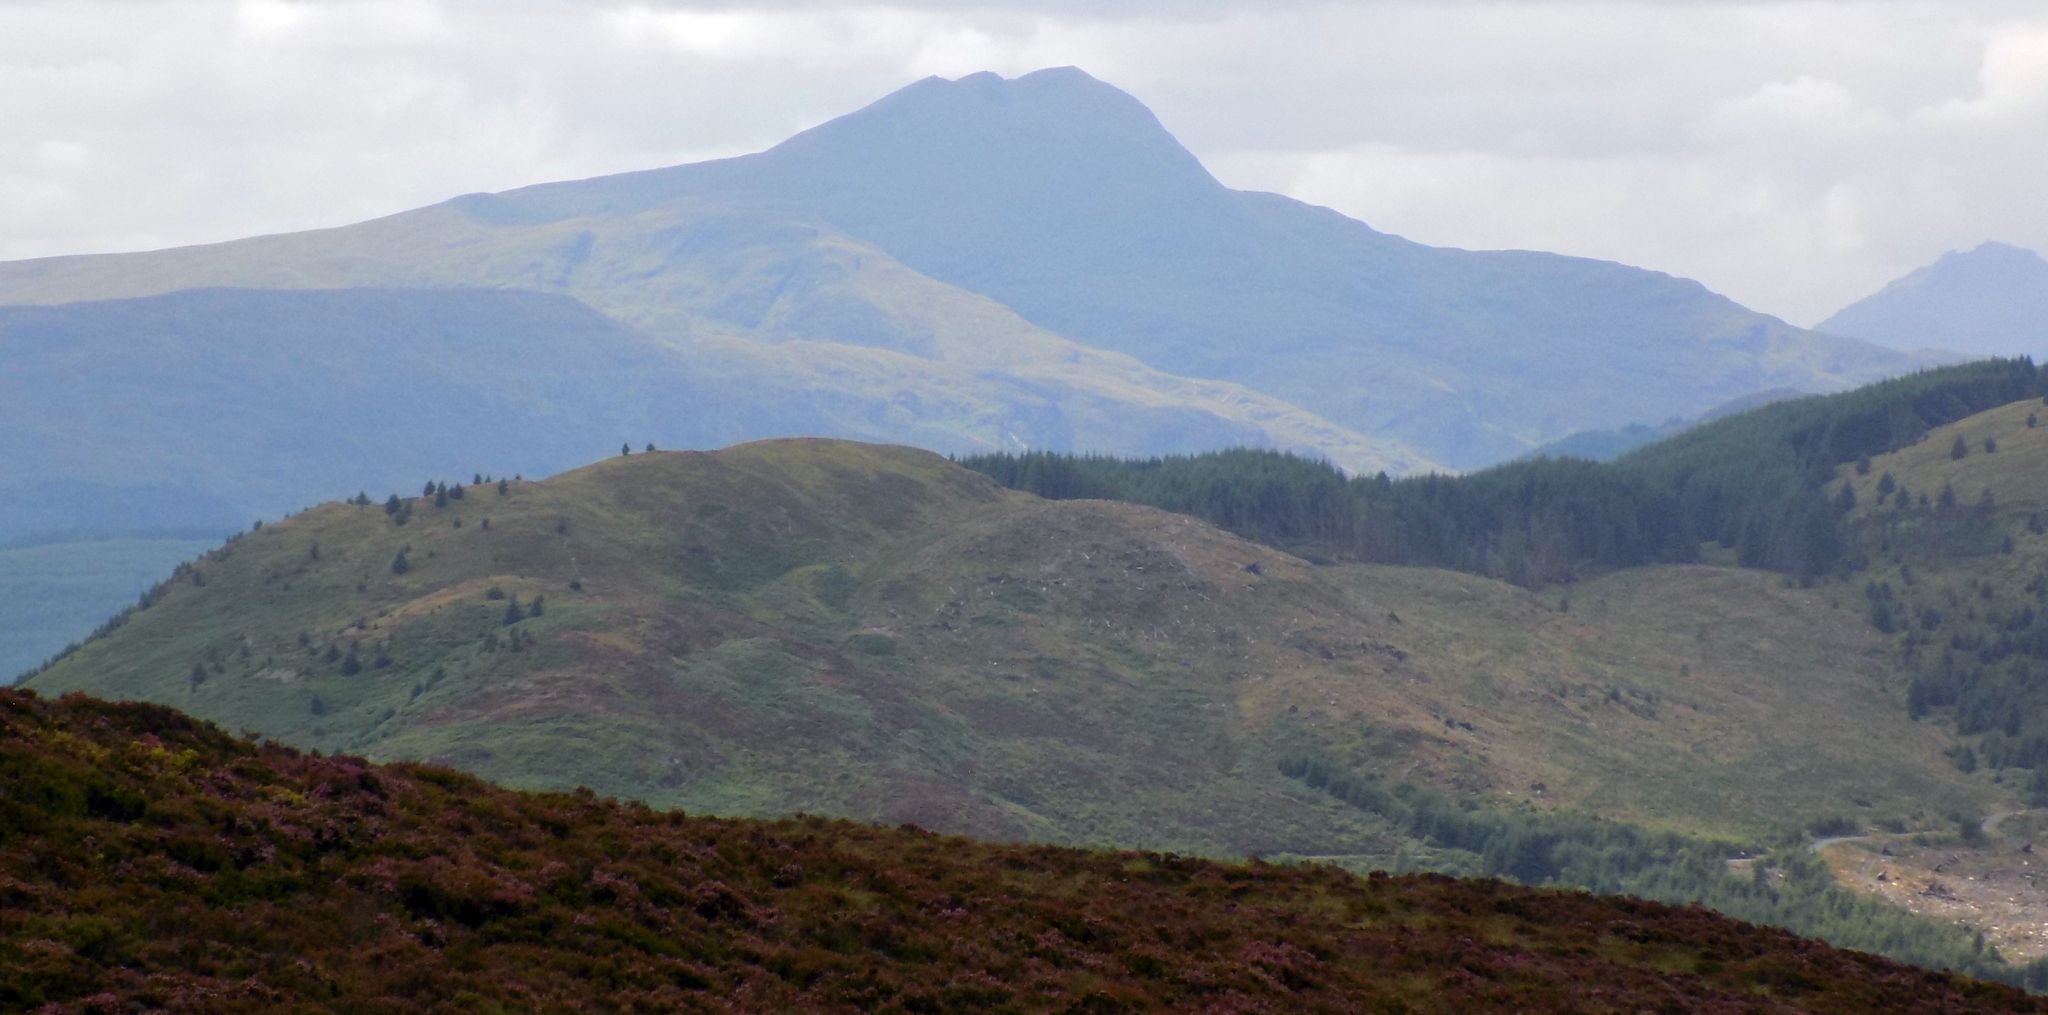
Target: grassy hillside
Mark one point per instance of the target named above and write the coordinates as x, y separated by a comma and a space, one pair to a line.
979, 660
1952, 529
1714, 699
1920, 504
150, 861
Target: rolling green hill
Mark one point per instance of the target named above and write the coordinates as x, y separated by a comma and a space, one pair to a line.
944, 651
148, 861
1921, 503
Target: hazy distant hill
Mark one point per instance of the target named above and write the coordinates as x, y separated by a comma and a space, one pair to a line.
54, 592
1608, 445
919, 224
1990, 301
212, 407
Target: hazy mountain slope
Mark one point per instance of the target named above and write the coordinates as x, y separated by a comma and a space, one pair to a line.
244, 401
211, 401
738, 288
1608, 445
154, 862
1064, 200
1989, 301
984, 661
52, 594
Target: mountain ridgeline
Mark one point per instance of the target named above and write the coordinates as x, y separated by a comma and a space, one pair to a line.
1754, 484
985, 232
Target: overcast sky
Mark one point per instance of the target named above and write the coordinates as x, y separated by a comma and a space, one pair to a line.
1792, 155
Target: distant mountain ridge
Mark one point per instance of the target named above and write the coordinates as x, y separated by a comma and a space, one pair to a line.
217, 406
1608, 445
1991, 300
1064, 200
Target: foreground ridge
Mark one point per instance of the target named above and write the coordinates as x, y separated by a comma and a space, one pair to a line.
151, 860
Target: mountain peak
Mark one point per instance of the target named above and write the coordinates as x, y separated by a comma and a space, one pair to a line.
1992, 255
1988, 300
1059, 125
1034, 157
1993, 264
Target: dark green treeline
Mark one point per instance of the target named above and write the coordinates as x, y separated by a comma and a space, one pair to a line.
1752, 483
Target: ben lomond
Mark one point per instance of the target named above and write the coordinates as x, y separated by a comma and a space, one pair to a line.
960, 261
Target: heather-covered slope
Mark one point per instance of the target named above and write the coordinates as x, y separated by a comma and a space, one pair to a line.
148, 860
874, 632
990, 208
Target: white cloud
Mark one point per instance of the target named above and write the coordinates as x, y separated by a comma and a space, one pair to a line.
1794, 155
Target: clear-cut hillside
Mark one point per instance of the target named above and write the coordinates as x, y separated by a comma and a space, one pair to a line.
1988, 301
962, 220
